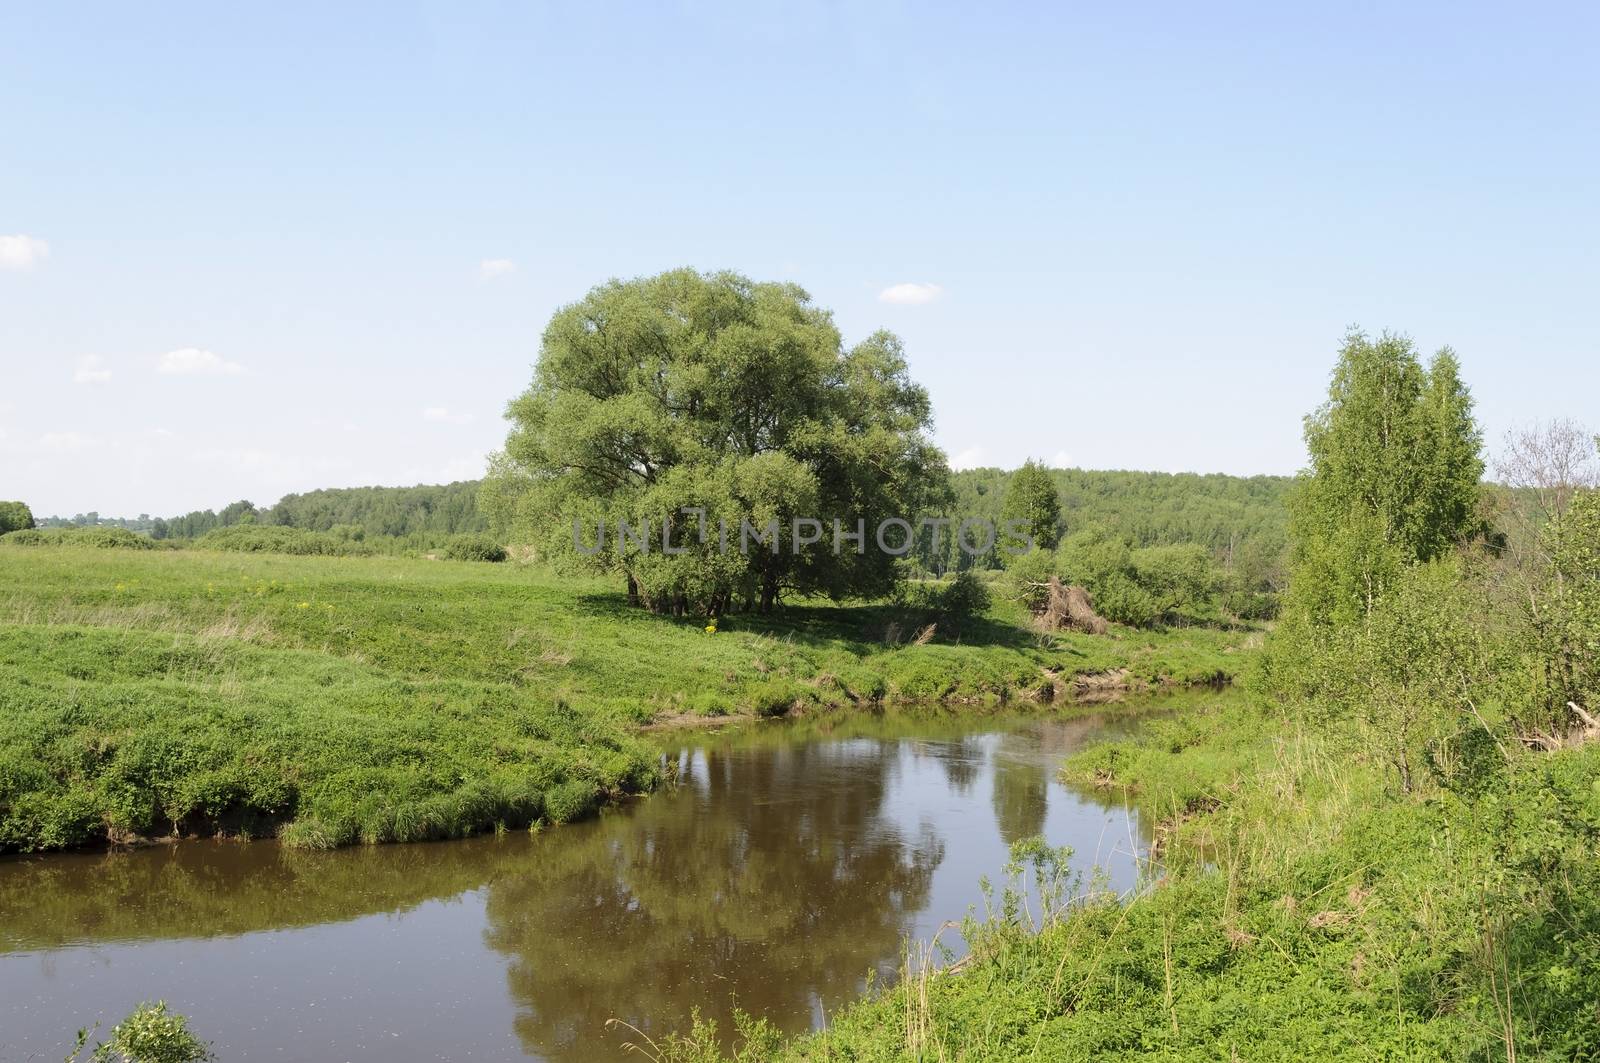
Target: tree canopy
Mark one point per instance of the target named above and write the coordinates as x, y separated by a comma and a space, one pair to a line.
1031, 500
15, 516
693, 405
1394, 477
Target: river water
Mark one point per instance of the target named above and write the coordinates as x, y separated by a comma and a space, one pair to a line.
788, 862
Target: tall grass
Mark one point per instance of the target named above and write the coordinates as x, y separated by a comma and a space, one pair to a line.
1299, 908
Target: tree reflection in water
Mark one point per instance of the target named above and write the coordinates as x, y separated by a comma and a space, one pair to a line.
790, 861
772, 881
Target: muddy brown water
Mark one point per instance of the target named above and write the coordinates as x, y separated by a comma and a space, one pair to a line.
788, 863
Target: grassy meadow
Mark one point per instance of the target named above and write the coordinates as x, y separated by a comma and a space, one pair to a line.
350, 699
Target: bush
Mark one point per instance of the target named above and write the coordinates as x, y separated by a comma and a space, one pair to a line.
963, 598
274, 539
1122, 601
105, 538
14, 516
1252, 605
474, 548
150, 1034
1027, 576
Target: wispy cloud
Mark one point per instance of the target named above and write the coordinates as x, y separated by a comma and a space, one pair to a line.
468, 467
22, 252
971, 458
490, 268
910, 294
443, 415
1061, 460
91, 370
192, 361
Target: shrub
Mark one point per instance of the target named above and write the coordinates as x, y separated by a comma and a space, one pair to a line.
105, 538
1122, 601
474, 548
1027, 576
963, 598
275, 539
150, 1034
1252, 605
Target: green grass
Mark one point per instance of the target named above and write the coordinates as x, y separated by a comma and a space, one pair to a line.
384, 699
1301, 909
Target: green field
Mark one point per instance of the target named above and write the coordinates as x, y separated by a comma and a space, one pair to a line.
386, 699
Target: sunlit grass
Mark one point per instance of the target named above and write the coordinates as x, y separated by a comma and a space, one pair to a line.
383, 698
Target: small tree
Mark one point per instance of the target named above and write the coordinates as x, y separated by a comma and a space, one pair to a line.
15, 516
1032, 500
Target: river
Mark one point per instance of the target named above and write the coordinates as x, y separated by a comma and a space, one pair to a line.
788, 861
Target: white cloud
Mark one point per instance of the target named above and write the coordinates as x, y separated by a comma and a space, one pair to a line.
271, 469
1061, 460
445, 416
971, 458
910, 294
469, 467
490, 268
91, 370
192, 361
22, 252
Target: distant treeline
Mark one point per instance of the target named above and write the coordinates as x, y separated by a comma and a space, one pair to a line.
1241, 520
424, 512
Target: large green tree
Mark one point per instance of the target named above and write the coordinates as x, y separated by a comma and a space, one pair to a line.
702, 402
1394, 477
15, 516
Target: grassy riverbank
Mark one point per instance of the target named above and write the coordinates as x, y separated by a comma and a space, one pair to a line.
1304, 910
386, 699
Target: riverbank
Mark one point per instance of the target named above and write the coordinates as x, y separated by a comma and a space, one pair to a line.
343, 700
1305, 909
780, 865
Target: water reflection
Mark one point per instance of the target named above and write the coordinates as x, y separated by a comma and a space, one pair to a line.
772, 877
786, 865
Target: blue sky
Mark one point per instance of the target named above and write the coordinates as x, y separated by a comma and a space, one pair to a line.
249, 250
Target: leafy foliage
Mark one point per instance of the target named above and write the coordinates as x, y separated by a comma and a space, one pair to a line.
474, 548
736, 399
445, 509
1394, 475
1033, 503
1139, 586
1240, 520
15, 516
150, 1034
263, 538
105, 538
